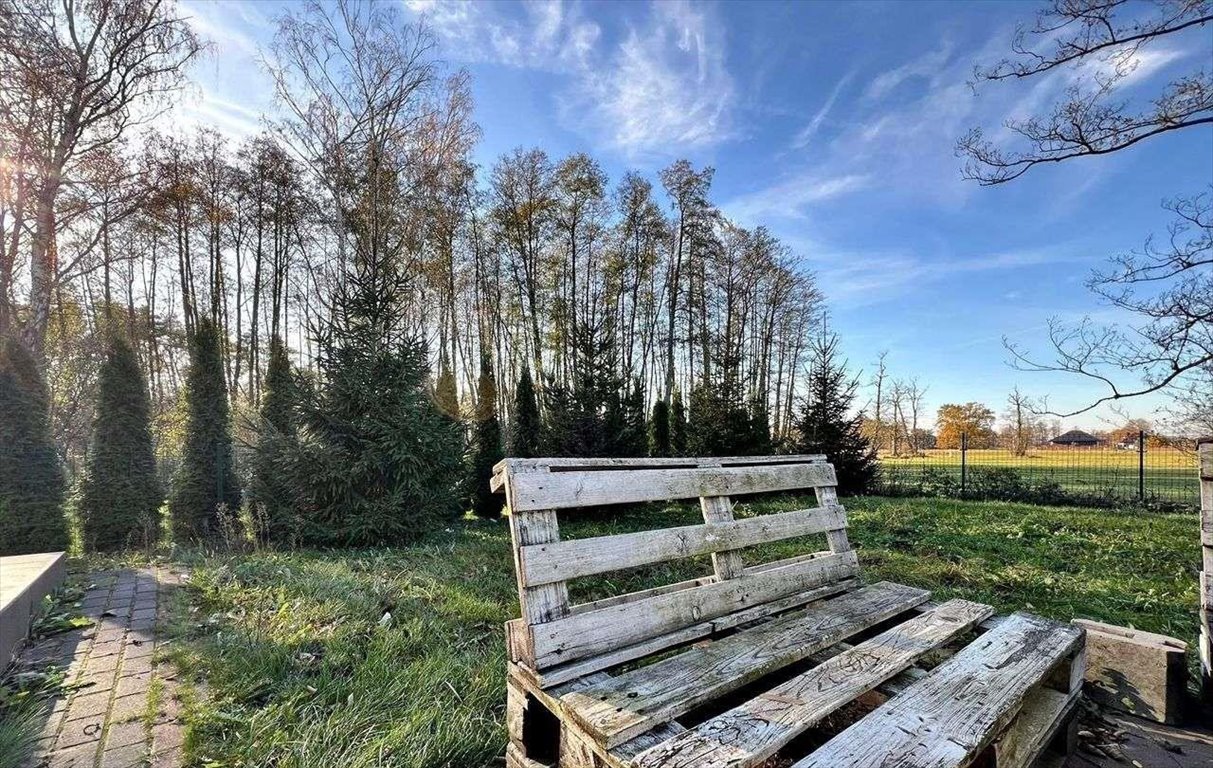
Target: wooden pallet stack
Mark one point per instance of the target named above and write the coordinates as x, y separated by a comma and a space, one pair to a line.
1205, 450
794, 659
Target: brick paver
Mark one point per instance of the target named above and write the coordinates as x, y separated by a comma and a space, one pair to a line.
106, 718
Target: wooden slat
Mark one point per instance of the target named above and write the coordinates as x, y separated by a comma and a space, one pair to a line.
564, 672
947, 718
548, 601
586, 634
1043, 713
607, 464
726, 563
1204, 642
630, 704
559, 561
750, 733
586, 488
827, 498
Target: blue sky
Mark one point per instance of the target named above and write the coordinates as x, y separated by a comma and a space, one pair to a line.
832, 124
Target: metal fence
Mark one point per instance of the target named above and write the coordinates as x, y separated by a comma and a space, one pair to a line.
1150, 471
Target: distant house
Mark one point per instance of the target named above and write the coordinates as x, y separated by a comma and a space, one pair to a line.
1076, 437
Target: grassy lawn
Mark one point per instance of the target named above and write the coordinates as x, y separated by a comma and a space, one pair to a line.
1169, 474
396, 657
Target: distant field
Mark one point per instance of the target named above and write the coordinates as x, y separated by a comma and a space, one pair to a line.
1170, 474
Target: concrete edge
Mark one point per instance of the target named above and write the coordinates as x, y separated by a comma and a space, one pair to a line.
16, 616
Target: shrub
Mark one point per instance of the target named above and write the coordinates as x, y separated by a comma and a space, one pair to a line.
31, 479
120, 494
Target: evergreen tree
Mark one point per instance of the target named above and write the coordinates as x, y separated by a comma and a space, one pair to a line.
120, 494
631, 438
31, 479
659, 429
718, 424
827, 426
377, 462
525, 429
446, 395
760, 427
678, 425
486, 445
270, 489
206, 477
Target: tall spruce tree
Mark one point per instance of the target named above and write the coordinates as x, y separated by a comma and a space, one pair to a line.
120, 494
377, 462
31, 478
827, 425
206, 477
525, 427
659, 429
270, 489
486, 445
760, 426
678, 425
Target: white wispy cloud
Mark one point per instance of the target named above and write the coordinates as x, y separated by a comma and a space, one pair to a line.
806, 134
663, 84
863, 279
665, 87
789, 199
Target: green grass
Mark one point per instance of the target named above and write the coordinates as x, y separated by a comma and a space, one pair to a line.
1169, 474
395, 657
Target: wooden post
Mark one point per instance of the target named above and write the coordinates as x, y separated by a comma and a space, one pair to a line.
1205, 449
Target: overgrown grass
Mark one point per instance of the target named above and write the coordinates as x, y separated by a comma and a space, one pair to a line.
27, 691
396, 657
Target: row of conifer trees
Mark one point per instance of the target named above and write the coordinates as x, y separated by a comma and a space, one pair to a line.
368, 453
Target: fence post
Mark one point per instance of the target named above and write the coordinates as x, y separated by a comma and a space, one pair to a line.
1141, 465
1205, 449
964, 460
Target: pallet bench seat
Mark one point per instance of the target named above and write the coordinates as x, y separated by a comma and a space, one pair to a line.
795, 659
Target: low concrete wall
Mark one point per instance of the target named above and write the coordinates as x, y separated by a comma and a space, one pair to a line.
24, 581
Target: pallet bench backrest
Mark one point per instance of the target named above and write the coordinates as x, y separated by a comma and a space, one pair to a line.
570, 639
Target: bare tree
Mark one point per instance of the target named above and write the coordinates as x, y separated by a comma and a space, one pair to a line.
1106, 36
77, 76
1021, 417
1168, 288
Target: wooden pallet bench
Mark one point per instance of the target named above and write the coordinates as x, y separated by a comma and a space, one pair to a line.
795, 659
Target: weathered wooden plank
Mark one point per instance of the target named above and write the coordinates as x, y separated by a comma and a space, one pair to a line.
515, 758
726, 563
585, 488
827, 498
564, 672
587, 634
608, 464
750, 733
563, 560
548, 601
663, 732
1044, 712
632, 703
948, 717
1138, 672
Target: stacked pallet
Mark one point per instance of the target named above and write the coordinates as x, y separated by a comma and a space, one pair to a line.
792, 659
1206, 575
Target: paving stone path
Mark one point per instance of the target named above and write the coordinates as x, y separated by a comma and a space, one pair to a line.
121, 708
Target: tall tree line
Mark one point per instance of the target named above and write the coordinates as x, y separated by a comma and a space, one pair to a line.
535, 261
